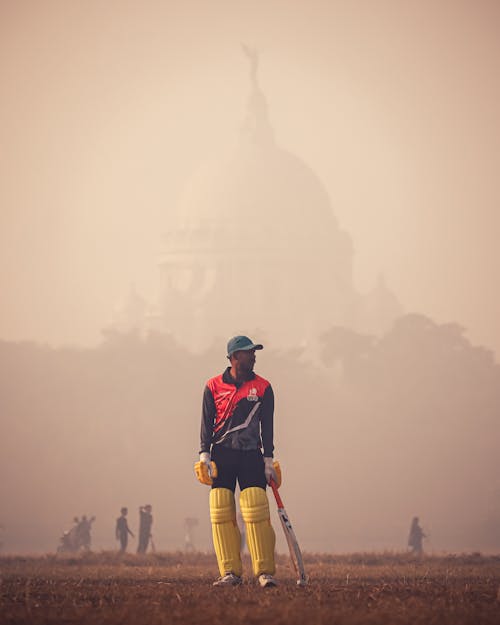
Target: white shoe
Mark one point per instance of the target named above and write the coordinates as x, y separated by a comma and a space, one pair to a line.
229, 579
267, 581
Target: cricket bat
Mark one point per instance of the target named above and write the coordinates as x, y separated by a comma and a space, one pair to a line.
291, 539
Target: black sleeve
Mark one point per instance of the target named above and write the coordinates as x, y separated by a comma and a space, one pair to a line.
208, 413
267, 422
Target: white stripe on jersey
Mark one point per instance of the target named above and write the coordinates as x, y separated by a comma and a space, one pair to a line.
243, 425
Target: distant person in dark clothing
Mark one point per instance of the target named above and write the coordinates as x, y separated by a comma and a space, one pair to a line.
416, 537
73, 536
70, 539
145, 523
83, 532
123, 530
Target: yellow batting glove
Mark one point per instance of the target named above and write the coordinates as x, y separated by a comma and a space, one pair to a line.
277, 469
205, 469
272, 471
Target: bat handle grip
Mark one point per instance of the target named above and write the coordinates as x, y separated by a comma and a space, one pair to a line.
272, 484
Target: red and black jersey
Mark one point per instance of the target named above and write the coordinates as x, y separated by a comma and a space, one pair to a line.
238, 416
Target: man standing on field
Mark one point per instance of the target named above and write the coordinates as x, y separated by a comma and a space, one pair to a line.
145, 523
416, 537
122, 530
237, 445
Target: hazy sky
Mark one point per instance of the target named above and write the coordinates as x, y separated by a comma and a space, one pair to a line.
107, 108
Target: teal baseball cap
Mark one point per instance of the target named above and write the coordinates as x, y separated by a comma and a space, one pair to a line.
241, 343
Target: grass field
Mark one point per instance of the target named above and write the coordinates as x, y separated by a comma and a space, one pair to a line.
176, 588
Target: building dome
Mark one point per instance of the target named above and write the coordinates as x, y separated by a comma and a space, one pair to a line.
260, 199
262, 191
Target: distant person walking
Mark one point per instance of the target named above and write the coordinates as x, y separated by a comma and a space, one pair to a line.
416, 537
145, 524
122, 530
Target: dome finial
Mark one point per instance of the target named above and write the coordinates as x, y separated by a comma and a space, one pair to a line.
256, 126
253, 56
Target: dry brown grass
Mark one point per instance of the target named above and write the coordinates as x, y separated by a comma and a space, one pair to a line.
176, 588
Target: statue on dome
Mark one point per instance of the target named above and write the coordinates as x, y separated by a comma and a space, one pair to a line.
256, 125
253, 56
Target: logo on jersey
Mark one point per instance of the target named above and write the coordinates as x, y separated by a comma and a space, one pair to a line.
252, 395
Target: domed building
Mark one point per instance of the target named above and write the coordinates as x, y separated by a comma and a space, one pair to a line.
255, 248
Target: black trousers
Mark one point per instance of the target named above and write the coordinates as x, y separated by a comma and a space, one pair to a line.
246, 467
142, 547
123, 542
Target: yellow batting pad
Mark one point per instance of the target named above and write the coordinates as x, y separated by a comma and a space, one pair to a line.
202, 473
260, 534
225, 532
